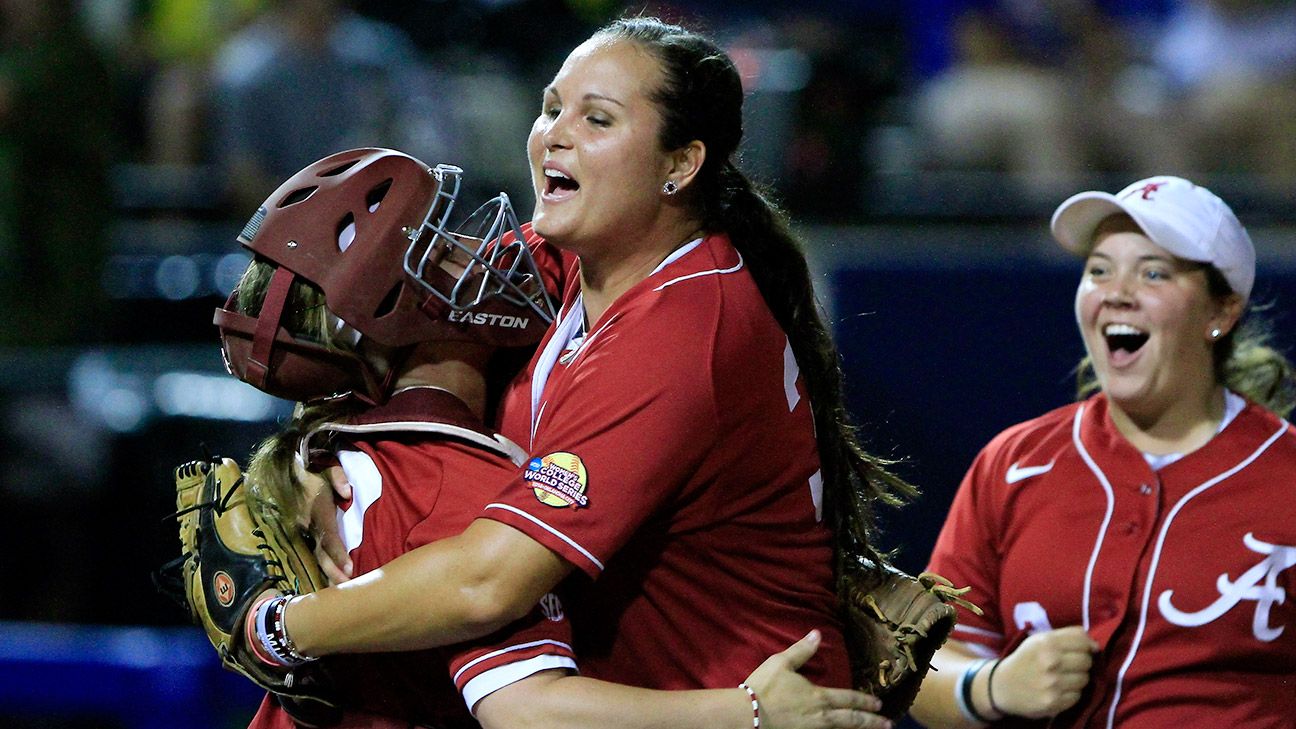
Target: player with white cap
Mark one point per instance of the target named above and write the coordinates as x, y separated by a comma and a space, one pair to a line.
1126, 548
1187, 220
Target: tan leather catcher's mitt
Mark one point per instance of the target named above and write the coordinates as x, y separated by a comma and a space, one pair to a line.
235, 544
895, 622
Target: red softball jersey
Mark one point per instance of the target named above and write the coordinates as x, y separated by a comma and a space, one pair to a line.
421, 469
674, 463
1182, 575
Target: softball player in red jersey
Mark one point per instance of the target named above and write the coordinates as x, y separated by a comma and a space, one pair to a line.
685, 453
1134, 551
692, 496
421, 468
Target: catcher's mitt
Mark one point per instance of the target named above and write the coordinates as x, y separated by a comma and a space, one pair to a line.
894, 624
235, 545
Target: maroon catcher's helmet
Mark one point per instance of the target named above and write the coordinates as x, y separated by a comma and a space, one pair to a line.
368, 227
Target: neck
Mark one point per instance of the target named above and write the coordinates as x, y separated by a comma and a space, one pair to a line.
462, 378
1182, 426
605, 276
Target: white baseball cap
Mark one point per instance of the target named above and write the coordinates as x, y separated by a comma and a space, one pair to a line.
1187, 220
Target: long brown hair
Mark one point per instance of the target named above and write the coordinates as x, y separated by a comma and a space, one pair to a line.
701, 99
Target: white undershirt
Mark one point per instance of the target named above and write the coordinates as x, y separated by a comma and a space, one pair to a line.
1233, 405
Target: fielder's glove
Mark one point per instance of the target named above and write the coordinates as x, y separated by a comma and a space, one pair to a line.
894, 624
235, 545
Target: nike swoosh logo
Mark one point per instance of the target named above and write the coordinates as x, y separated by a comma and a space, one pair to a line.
1017, 472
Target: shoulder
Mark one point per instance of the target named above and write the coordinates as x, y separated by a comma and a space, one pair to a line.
1054, 425
705, 291
1259, 425
1031, 448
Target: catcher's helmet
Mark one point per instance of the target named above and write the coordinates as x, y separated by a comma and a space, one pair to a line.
368, 228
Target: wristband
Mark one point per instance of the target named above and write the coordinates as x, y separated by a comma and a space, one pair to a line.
963, 692
755, 705
255, 637
990, 689
273, 636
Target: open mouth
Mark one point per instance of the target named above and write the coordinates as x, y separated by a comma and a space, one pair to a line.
556, 183
1124, 338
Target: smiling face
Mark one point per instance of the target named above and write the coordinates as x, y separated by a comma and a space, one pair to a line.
597, 165
1147, 318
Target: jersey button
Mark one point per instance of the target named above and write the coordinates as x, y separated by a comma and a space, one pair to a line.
1145, 489
1129, 528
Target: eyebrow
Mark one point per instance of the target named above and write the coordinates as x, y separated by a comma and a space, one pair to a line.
1172, 260
587, 97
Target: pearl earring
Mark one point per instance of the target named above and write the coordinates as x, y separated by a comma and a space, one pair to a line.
1215, 334
670, 187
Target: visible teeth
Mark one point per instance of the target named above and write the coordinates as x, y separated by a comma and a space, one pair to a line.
555, 173
1115, 330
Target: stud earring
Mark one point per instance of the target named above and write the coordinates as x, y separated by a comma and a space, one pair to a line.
1215, 334
669, 187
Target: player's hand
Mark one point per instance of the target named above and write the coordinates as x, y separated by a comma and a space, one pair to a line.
319, 490
789, 701
1046, 673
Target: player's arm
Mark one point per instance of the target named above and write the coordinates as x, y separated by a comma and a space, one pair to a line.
445, 592
786, 701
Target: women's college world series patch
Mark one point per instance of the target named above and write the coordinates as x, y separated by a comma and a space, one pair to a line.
558, 479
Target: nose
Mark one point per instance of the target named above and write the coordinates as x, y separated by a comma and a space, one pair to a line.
554, 132
1119, 292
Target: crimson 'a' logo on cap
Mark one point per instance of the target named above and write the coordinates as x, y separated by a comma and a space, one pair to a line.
1147, 190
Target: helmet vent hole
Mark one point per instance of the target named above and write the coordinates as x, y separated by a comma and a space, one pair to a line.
346, 232
388, 304
377, 194
297, 196
339, 169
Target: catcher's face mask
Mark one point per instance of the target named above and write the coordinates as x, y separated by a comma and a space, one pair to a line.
368, 227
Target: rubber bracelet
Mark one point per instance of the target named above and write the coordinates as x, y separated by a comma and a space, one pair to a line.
755, 705
990, 689
256, 637
272, 635
963, 694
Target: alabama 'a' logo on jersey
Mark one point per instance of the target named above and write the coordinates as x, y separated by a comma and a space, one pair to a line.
1259, 584
558, 480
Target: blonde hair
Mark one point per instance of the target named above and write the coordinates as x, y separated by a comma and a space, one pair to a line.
305, 316
272, 467
1258, 371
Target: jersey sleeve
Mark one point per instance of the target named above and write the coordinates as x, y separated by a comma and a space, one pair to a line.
968, 554
539, 642
633, 422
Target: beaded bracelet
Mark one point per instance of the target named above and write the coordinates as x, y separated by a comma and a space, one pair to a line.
755, 705
963, 692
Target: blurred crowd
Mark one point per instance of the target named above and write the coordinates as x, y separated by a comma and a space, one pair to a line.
197, 108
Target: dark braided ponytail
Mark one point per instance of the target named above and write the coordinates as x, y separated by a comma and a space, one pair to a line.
701, 99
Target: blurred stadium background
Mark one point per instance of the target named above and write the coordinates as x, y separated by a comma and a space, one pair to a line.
920, 145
